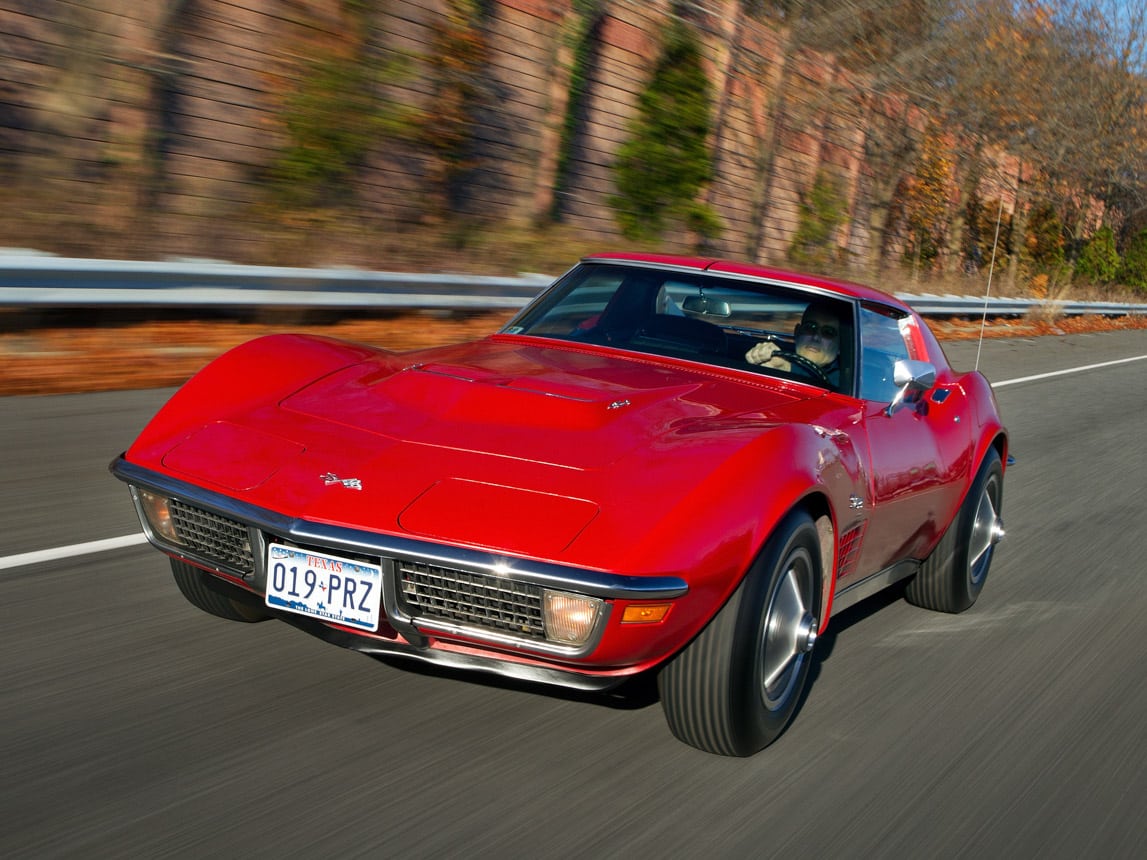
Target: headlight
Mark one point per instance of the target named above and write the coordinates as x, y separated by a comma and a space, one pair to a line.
569, 618
156, 512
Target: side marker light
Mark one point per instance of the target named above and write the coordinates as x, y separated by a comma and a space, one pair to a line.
645, 613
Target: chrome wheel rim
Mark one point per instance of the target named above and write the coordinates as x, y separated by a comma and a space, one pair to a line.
789, 631
987, 530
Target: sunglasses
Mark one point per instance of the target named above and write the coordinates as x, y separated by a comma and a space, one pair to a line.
813, 328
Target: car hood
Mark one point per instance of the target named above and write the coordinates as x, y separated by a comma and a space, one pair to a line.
504, 443
562, 407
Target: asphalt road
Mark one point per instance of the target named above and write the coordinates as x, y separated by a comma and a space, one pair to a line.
133, 725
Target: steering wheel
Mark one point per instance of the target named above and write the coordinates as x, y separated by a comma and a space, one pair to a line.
809, 367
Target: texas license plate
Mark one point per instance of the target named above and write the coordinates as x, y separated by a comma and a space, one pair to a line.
342, 590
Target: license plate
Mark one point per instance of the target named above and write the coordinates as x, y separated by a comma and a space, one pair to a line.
329, 587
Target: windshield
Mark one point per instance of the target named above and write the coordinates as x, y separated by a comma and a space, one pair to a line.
748, 325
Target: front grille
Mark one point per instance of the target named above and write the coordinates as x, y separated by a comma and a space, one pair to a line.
472, 599
212, 536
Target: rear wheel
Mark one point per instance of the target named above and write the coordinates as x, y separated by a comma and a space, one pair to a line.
214, 596
735, 688
952, 577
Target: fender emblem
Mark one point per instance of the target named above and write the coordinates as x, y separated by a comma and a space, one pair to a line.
855, 502
350, 483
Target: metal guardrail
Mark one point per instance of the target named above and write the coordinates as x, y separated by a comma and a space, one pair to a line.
936, 306
33, 280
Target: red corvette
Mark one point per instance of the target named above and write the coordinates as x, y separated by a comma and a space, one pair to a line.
666, 465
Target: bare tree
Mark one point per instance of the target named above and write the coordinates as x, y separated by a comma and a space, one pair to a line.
1058, 86
887, 50
1105, 117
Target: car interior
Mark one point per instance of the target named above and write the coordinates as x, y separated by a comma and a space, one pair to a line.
696, 317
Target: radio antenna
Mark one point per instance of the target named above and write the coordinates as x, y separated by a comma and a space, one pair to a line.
988, 291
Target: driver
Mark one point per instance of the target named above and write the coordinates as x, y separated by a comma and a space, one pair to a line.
817, 339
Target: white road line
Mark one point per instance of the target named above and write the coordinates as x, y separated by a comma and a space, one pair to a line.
25, 558
1065, 372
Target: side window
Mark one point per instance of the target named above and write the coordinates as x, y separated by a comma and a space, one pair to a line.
882, 343
579, 307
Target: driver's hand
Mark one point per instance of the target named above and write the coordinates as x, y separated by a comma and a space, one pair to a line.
763, 353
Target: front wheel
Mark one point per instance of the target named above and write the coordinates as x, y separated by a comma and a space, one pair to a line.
951, 578
214, 596
735, 688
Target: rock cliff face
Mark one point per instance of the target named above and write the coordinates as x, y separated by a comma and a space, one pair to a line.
142, 129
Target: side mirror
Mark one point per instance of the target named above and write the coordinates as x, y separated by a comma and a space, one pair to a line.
910, 376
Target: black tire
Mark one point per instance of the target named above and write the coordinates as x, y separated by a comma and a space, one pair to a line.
735, 688
214, 596
952, 577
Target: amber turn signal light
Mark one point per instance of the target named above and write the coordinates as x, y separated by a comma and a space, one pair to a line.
645, 613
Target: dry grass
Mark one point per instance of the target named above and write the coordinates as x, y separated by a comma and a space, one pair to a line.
59, 360
157, 354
